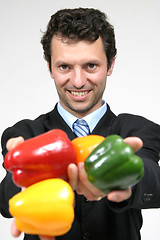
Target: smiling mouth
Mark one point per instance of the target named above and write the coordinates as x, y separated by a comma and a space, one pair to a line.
79, 94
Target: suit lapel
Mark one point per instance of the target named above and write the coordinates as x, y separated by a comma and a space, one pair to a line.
103, 127
56, 121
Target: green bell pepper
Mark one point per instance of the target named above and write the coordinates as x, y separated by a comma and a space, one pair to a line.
112, 165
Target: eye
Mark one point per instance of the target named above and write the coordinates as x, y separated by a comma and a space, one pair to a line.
63, 67
91, 66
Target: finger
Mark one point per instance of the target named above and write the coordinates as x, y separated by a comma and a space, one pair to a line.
90, 195
119, 196
135, 142
83, 178
82, 184
82, 173
86, 187
46, 238
72, 171
13, 142
14, 230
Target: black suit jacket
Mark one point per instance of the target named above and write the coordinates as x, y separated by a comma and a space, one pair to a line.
99, 220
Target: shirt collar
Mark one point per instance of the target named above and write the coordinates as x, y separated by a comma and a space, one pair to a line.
92, 119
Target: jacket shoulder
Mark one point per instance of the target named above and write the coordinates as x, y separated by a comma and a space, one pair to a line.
129, 125
26, 128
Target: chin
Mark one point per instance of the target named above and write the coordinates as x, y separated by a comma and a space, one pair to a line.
80, 110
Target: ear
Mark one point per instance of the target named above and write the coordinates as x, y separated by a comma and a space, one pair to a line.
110, 70
49, 70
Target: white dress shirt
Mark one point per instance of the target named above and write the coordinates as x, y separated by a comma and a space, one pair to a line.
92, 119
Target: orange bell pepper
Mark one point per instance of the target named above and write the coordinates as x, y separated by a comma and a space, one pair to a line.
44, 208
85, 145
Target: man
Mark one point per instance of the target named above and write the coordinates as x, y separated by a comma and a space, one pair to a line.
79, 46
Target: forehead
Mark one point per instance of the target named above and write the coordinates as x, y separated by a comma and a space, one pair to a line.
64, 48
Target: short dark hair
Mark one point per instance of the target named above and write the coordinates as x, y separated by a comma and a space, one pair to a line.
80, 24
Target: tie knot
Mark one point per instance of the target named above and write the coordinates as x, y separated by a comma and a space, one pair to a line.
81, 128
81, 122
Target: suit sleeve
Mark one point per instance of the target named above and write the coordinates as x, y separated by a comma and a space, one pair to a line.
27, 129
145, 194
7, 186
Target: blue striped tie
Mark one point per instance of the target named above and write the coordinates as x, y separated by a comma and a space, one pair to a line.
81, 128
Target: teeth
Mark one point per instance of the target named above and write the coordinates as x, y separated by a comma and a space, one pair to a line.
79, 93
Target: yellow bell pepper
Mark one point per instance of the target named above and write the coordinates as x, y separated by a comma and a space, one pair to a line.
85, 145
44, 208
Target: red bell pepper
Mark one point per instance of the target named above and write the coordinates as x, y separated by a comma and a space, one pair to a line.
41, 157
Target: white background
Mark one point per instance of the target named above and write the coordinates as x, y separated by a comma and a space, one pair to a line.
26, 89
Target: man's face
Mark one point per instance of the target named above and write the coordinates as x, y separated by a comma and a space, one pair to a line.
79, 70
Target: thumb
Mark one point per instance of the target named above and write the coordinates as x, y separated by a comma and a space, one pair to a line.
13, 142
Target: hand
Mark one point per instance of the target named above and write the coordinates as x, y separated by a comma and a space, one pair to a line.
13, 142
79, 181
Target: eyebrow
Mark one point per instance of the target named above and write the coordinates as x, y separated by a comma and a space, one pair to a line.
63, 62
60, 62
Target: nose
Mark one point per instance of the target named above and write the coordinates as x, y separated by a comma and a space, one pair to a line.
78, 78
